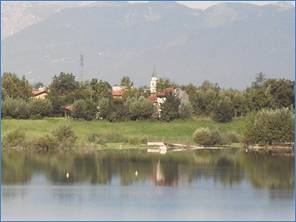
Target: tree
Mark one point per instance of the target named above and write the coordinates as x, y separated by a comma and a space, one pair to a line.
223, 111
205, 98
14, 87
140, 108
38, 85
84, 109
62, 91
125, 81
185, 110
164, 83
105, 108
269, 127
169, 109
40, 107
100, 89
281, 92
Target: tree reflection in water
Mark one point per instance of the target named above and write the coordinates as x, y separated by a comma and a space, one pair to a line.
226, 167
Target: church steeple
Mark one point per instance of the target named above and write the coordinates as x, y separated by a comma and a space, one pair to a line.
153, 81
154, 74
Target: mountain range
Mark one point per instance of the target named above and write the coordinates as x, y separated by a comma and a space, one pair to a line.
228, 43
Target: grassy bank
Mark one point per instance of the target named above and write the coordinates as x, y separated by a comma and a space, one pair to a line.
177, 131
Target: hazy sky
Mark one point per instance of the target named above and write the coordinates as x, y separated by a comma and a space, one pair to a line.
206, 4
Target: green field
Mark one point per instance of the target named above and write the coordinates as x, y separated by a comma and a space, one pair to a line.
176, 131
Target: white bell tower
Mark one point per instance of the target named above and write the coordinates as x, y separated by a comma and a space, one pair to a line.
153, 82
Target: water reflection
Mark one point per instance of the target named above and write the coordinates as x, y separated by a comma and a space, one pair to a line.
209, 185
224, 167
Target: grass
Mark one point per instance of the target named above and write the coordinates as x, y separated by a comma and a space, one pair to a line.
177, 131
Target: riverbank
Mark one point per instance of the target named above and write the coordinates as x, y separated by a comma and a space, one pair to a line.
121, 134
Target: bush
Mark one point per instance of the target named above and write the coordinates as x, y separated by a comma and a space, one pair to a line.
140, 109
84, 109
65, 136
22, 110
40, 107
14, 138
45, 143
9, 108
270, 127
204, 136
79, 109
232, 137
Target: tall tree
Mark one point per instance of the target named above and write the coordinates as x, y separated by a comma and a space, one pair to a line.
14, 87
126, 81
169, 109
100, 89
62, 91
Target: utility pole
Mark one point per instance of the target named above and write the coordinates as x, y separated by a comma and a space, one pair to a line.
81, 67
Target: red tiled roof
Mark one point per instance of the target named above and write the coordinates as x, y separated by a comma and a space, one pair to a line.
118, 91
165, 92
36, 92
68, 107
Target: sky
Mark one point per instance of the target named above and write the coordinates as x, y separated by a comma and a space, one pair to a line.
206, 4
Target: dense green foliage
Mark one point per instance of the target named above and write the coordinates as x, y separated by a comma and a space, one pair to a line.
207, 137
140, 109
170, 108
223, 110
84, 109
270, 127
13, 87
93, 99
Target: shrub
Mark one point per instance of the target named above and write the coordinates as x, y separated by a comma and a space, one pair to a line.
45, 143
204, 136
14, 138
79, 109
84, 109
40, 107
140, 108
65, 136
232, 137
22, 110
9, 108
270, 127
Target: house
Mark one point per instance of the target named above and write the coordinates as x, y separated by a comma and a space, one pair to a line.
118, 91
39, 93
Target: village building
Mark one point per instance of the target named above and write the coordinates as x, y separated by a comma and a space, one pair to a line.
118, 91
159, 97
40, 93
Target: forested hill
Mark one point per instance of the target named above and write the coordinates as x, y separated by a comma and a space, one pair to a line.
227, 43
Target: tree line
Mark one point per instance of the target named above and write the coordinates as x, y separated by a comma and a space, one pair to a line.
93, 99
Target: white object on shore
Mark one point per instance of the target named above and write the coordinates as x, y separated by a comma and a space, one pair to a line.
163, 149
67, 175
136, 173
155, 143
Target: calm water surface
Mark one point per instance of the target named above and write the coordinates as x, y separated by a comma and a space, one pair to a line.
212, 185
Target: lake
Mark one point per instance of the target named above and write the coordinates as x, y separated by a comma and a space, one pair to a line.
135, 185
